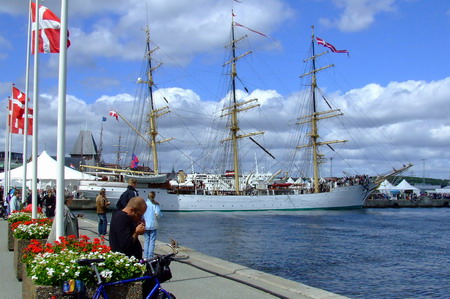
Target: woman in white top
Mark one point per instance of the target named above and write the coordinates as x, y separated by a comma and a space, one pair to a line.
151, 225
14, 203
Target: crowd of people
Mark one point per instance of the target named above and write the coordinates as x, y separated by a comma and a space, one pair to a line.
132, 217
46, 201
13, 201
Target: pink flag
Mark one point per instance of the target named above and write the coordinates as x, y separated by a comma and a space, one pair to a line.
114, 114
240, 25
49, 30
329, 46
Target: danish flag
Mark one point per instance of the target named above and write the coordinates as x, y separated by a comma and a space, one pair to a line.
49, 30
329, 46
114, 114
16, 116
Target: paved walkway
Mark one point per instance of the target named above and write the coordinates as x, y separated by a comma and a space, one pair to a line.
195, 275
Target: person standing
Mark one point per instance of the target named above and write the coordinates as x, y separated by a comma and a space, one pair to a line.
49, 201
14, 203
128, 194
70, 222
126, 226
151, 225
102, 204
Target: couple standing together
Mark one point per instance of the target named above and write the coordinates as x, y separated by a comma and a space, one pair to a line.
134, 216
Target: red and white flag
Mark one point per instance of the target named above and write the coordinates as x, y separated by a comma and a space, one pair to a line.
13, 121
17, 113
329, 46
30, 123
240, 25
49, 30
114, 114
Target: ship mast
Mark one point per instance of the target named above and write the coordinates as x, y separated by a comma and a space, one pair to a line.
154, 113
235, 108
314, 118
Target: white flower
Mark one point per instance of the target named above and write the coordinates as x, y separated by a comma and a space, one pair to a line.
106, 273
50, 271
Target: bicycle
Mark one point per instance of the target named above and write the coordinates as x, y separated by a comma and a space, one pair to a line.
158, 272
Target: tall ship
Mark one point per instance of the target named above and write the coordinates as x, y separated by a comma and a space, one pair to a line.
256, 191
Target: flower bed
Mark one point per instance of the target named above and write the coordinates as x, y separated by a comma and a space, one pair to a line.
15, 217
19, 250
32, 229
10, 238
52, 264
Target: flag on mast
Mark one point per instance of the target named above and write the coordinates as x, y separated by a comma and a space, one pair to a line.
252, 30
114, 114
134, 161
49, 30
329, 46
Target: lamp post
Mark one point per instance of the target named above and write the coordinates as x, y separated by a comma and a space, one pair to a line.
423, 176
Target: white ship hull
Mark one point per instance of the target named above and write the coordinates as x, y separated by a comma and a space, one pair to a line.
349, 197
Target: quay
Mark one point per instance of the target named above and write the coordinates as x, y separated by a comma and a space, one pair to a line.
195, 275
421, 202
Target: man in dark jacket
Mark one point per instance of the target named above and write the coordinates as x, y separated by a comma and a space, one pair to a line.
128, 194
126, 226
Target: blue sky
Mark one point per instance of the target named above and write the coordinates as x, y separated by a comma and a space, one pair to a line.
395, 85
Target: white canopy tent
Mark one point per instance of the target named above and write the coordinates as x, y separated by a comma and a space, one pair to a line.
404, 186
386, 187
46, 174
445, 190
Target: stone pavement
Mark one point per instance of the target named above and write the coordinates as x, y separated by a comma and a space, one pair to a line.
195, 275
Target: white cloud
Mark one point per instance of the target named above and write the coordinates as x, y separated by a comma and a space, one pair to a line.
358, 14
387, 136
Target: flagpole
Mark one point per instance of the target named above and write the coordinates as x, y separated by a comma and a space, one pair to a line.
5, 161
35, 111
8, 165
101, 142
25, 124
60, 183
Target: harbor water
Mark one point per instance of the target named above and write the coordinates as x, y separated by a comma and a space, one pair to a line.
368, 253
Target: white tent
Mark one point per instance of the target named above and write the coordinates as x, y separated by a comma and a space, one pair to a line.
46, 173
404, 186
445, 190
386, 187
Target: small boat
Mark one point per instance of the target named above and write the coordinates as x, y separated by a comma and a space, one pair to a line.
147, 178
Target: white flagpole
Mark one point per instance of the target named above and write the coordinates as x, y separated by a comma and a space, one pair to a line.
35, 111
5, 161
25, 130
9, 154
60, 182
8, 164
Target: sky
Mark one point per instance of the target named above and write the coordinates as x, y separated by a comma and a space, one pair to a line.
393, 87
